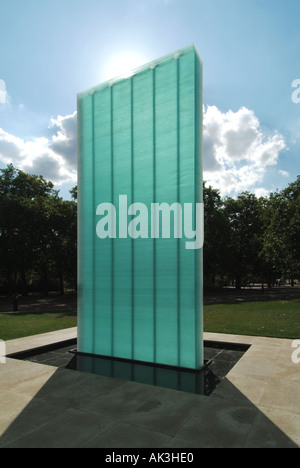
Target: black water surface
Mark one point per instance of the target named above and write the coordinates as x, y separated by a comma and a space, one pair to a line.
220, 358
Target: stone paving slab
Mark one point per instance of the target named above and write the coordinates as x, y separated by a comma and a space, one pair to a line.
256, 405
36, 341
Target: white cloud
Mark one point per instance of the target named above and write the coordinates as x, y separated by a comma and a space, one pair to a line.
64, 140
262, 192
3, 93
284, 173
237, 150
51, 167
12, 148
54, 158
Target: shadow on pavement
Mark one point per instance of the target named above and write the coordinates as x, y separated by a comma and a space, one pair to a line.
74, 409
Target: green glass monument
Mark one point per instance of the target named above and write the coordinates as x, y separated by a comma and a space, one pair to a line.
141, 215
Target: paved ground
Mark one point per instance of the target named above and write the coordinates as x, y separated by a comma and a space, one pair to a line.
257, 405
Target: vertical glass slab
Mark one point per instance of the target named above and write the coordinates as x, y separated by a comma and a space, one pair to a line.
143, 192
122, 245
166, 192
86, 220
103, 183
140, 142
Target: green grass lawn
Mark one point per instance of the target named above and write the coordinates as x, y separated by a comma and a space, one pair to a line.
18, 325
280, 319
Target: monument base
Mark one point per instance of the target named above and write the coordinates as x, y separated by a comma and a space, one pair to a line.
178, 378
220, 359
141, 363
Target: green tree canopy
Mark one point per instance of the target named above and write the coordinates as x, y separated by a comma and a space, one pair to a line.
281, 246
35, 226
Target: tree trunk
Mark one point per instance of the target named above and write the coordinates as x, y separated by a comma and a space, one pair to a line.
238, 283
45, 282
15, 303
61, 283
24, 286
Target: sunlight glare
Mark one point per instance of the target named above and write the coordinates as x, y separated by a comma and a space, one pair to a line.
123, 65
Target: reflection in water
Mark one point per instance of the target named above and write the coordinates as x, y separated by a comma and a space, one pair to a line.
219, 360
202, 382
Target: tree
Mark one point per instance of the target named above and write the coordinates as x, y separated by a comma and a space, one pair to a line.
20, 221
216, 227
38, 233
63, 243
281, 248
74, 193
245, 238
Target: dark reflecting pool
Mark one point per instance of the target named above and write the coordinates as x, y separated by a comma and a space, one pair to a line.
220, 358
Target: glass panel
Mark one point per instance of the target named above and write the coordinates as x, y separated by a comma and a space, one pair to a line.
140, 288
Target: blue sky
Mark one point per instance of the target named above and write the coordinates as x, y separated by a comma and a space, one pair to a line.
51, 50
